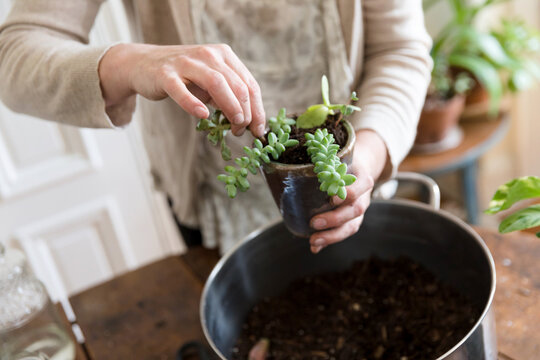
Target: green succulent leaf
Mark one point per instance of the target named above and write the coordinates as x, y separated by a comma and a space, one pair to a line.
314, 116
331, 173
242, 181
231, 191
325, 90
513, 191
342, 193
291, 142
225, 151
272, 138
222, 178
349, 179
333, 189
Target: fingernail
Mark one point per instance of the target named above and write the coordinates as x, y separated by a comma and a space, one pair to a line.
319, 223
238, 119
241, 131
201, 112
316, 249
260, 130
319, 242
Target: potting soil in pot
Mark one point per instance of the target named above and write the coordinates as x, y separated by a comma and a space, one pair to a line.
298, 154
379, 309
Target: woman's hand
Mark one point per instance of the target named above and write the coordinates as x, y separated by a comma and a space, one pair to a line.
369, 160
191, 75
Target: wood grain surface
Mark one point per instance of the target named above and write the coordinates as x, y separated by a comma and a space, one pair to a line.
145, 314
517, 298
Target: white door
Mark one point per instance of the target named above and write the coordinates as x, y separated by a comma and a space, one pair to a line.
79, 202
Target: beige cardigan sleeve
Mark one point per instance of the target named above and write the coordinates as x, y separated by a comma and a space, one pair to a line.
396, 73
47, 68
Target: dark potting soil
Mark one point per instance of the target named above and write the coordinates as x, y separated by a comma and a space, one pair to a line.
379, 309
298, 154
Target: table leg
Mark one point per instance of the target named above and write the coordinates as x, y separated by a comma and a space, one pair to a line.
468, 177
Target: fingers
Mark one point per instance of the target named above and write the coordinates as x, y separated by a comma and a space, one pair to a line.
320, 240
178, 91
354, 205
218, 71
258, 123
342, 214
242, 93
217, 86
345, 220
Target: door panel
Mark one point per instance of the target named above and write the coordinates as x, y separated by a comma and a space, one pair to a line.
56, 153
80, 202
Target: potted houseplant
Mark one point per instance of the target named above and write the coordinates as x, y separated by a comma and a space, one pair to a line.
303, 158
443, 106
507, 195
503, 60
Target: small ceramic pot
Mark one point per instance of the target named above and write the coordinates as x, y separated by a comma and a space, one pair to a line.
477, 95
438, 118
295, 189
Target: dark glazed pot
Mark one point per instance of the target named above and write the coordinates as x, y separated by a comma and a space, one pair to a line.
296, 189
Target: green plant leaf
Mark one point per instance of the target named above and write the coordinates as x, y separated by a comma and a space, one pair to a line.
222, 178
333, 189
342, 193
225, 151
485, 73
489, 46
349, 179
314, 116
231, 191
325, 90
513, 191
523, 219
520, 80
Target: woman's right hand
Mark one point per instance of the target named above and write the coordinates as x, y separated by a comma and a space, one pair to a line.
191, 75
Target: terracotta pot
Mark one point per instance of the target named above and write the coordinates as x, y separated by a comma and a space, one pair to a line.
438, 118
477, 95
295, 189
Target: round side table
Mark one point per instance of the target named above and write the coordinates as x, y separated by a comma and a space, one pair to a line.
479, 137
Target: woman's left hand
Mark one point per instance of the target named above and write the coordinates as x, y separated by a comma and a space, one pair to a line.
369, 160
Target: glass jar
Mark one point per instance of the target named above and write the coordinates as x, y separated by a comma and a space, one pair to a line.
30, 327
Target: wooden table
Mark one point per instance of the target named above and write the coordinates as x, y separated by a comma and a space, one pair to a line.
148, 313
478, 137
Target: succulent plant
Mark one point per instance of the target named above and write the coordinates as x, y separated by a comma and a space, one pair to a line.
281, 121
236, 178
331, 172
217, 126
317, 114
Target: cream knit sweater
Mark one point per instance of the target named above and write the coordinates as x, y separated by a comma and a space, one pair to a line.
48, 70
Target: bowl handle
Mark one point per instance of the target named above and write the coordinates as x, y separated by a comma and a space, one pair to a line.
388, 188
